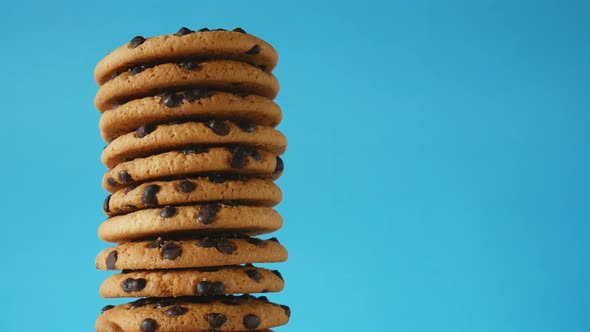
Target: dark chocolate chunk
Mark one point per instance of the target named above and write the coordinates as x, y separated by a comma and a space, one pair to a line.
137, 304
189, 65
216, 320
204, 288
171, 100
136, 41
207, 214
149, 325
195, 94
105, 204
247, 126
168, 212
219, 127
254, 275
149, 198
254, 50
251, 321
239, 30
278, 274
137, 69
280, 166
125, 177
255, 241
204, 30
287, 310
176, 311
111, 259
184, 31
186, 186
239, 158
111, 182
145, 130
255, 154
218, 287
170, 251
133, 285
107, 308
206, 242
225, 246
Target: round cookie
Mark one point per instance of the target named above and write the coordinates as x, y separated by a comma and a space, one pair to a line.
186, 44
216, 74
229, 313
178, 254
191, 282
207, 218
188, 105
151, 139
176, 164
199, 190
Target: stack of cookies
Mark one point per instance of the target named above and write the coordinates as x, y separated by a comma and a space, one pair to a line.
192, 155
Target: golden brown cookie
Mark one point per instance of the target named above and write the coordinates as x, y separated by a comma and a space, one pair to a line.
190, 162
151, 139
192, 282
215, 74
228, 313
188, 105
186, 44
200, 190
174, 220
203, 252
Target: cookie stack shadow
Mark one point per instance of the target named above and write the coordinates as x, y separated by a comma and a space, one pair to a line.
192, 157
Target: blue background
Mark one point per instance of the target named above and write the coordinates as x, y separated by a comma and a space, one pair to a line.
437, 175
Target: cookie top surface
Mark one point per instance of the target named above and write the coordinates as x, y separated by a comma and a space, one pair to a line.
225, 75
192, 282
178, 254
199, 190
178, 164
188, 105
229, 313
150, 139
186, 44
194, 219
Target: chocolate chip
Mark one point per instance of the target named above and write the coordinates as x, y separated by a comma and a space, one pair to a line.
278, 274
163, 304
186, 186
209, 288
216, 320
263, 298
149, 325
219, 29
114, 75
255, 241
256, 155
251, 321
195, 94
287, 310
225, 246
184, 31
254, 275
204, 30
239, 158
111, 259
105, 204
206, 242
168, 212
176, 311
171, 251
144, 130
189, 65
194, 150
125, 177
262, 67
247, 126
280, 166
111, 182
157, 243
107, 308
254, 50
137, 304
130, 188
171, 100
219, 127
239, 30
136, 41
207, 214
137, 69
230, 301
133, 285
149, 198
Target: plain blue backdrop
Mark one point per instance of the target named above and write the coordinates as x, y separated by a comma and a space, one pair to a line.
437, 177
